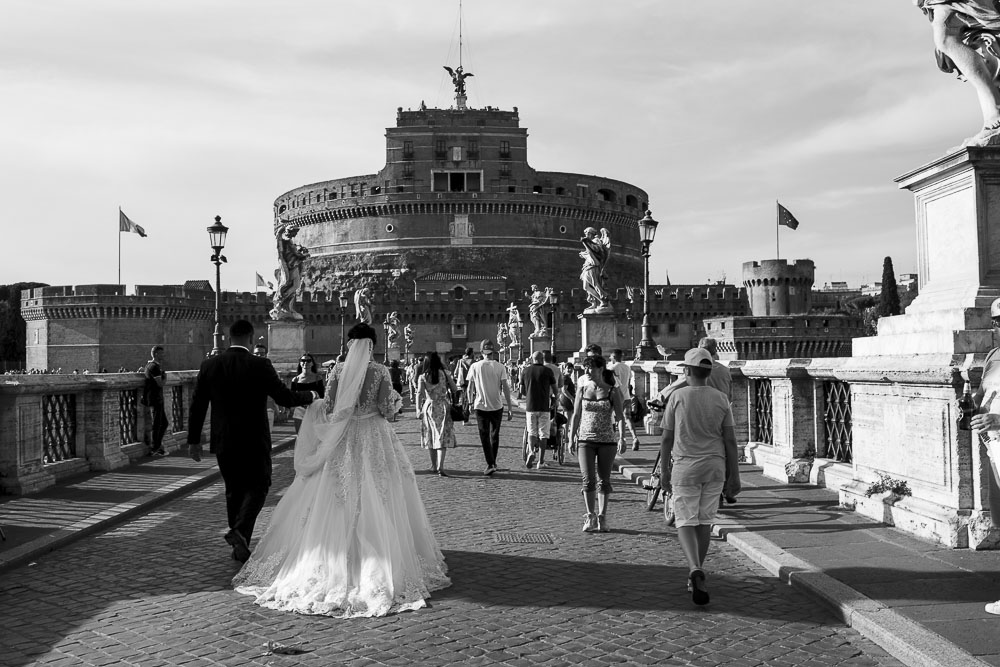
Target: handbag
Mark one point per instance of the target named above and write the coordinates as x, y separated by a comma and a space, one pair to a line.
458, 413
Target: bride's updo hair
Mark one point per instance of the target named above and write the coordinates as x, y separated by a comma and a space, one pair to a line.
362, 330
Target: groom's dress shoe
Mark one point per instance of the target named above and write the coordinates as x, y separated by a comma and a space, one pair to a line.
240, 549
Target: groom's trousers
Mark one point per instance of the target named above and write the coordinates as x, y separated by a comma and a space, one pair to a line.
247, 483
489, 433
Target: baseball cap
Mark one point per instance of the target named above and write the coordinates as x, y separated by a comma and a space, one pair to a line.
487, 344
698, 357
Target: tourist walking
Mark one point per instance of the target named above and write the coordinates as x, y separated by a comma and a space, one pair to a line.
237, 385
152, 398
489, 386
435, 392
698, 437
623, 384
540, 393
350, 537
596, 409
987, 424
307, 379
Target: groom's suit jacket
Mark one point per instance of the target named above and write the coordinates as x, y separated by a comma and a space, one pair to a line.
237, 385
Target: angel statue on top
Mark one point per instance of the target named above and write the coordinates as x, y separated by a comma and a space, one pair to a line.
363, 305
392, 329
458, 78
596, 252
536, 312
291, 256
967, 42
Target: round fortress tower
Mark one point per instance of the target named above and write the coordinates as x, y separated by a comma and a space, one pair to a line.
776, 287
457, 194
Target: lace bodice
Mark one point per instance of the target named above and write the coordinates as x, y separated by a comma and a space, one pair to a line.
375, 390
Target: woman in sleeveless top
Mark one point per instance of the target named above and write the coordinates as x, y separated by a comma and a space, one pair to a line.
307, 379
434, 397
596, 409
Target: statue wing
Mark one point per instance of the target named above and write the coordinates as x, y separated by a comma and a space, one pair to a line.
450, 71
467, 74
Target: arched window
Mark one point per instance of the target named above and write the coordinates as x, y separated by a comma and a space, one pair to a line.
459, 292
631, 200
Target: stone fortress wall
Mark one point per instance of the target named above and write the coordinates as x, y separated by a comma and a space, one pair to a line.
457, 192
776, 287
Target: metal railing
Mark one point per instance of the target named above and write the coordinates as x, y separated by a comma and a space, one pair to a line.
837, 420
763, 411
128, 416
177, 408
58, 427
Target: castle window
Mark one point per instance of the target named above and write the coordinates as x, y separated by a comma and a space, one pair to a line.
672, 328
354, 189
407, 171
630, 200
362, 191
456, 153
504, 150
537, 190
456, 181
582, 191
473, 150
440, 149
505, 171
459, 293
560, 191
407, 150
607, 195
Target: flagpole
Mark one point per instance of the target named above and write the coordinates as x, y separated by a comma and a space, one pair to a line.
119, 245
777, 230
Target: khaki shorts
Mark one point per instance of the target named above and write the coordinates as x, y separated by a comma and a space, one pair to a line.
696, 504
539, 424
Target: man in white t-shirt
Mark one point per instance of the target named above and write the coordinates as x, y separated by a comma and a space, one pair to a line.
488, 385
623, 384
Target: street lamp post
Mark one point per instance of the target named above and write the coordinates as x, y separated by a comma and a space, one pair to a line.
554, 300
343, 316
217, 239
647, 230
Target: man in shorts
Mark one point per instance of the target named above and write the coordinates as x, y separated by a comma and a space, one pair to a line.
623, 384
698, 436
540, 392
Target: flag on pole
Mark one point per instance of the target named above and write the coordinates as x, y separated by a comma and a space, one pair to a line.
786, 218
126, 225
263, 283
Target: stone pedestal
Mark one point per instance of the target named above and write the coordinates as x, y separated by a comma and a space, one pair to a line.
543, 343
286, 341
393, 354
514, 352
958, 243
599, 329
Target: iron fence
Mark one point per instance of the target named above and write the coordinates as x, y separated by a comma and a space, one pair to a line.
58, 427
837, 420
763, 413
128, 415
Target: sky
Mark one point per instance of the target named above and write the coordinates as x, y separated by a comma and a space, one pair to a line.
181, 110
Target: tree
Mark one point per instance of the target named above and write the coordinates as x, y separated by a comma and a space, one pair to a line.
12, 327
889, 299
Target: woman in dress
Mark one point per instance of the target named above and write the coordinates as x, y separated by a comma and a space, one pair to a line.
307, 379
435, 389
350, 537
596, 409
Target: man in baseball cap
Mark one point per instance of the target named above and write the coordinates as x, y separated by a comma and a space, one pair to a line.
698, 436
485, 382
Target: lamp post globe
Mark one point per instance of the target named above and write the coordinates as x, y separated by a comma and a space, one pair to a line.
217, 240
646, 349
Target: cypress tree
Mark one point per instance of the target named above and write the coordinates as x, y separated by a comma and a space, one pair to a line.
889, 300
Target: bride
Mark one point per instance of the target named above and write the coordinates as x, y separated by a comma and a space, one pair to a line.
350, 537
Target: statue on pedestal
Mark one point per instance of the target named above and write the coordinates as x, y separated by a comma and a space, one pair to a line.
408, 336
363, 305
967, 42
514, 325
596, 253
536, 312
392, 330
291, 256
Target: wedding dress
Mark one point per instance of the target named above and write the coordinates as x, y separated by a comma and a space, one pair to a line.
350, 537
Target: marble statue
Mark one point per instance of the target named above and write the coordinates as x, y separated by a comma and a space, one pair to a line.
363, 305
536, 311
392, 329
501, 335
967, 42
408, 336
291, 256
596, 253
514, 325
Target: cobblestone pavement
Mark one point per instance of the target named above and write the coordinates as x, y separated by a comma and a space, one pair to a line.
155, 590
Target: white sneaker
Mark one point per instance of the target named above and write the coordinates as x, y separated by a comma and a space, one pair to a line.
541, 464
993, 608
589, 523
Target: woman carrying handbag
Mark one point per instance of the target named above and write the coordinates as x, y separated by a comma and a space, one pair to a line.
435, 389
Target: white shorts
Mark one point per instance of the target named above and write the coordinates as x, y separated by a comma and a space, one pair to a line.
539, 424
696, 504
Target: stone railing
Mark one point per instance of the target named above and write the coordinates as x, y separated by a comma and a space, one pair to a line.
56, 426
843, 422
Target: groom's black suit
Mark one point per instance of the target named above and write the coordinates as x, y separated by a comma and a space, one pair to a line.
237, 385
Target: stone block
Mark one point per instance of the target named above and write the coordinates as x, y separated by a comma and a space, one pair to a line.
287, 340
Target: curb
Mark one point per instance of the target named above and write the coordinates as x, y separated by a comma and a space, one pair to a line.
904, 639
117, 514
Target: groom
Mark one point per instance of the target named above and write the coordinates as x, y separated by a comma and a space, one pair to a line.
237, 385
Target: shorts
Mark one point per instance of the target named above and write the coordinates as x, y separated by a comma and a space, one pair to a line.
539, 424
696, 504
